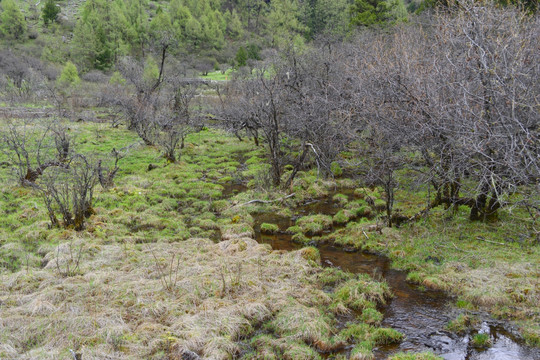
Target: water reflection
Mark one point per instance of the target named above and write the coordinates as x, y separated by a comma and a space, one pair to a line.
422, 315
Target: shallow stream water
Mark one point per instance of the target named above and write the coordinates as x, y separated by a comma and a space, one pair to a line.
421, 315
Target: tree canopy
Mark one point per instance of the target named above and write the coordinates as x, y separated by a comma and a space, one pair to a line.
12, 22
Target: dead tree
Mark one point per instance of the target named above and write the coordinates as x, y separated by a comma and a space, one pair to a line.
259, 103
176, 118
459, 89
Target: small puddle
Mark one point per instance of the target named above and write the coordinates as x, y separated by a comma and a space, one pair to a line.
232, 188
421, 315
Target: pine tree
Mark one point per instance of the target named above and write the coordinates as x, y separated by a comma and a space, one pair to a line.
193, 32
137, 18
12, 22
234, 27
373, 12
284, 26
69, 76
50, 11
101, 34
326, 16
241, 57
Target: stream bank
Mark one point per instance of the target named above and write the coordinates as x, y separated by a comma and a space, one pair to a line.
422, 315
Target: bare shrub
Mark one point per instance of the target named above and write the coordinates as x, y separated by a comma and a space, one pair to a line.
168, 270
106, 174
63, 141
18, 76
459, 89
68, 264
95, 76
29, 148
175, 119
162, 112
296, 106
68, 192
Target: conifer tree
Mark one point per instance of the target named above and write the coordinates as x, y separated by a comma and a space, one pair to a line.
241, 57
12, 22
101, 34
50, 11
69, 76
284, 26
377, 12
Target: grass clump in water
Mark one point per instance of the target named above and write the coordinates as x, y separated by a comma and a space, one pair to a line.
371, 316
461, 324
362, 351
385, 336
311, 253
343, 216
367, 337
342, 199
300, 238
481, 340
314, 224
360, 208
267, 228
415, 356
362, 292
414, 277
331, 276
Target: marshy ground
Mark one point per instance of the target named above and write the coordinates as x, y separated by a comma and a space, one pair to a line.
177, 263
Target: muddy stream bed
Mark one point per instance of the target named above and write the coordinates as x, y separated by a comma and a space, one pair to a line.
421, 315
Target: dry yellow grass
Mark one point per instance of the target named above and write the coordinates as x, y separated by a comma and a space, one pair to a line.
125, 302
515, 285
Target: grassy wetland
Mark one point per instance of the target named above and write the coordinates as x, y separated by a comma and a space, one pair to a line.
168, 265
145, 280
258, 180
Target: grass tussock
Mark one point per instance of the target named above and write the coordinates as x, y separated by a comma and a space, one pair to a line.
361, 293
415, 356
118, 302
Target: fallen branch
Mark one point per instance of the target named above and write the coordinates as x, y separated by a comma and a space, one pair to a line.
489, 241
265, 201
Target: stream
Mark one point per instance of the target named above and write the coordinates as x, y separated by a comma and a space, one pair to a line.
421, 315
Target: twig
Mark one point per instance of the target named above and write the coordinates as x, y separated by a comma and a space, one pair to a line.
265, 201
458, 249
316, 159
489, 241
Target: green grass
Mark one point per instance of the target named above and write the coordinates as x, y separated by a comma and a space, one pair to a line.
269, 228
148, 218
462, 324
218, 75
361, 293
314, 224
449, 253
481, 340
415, 356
